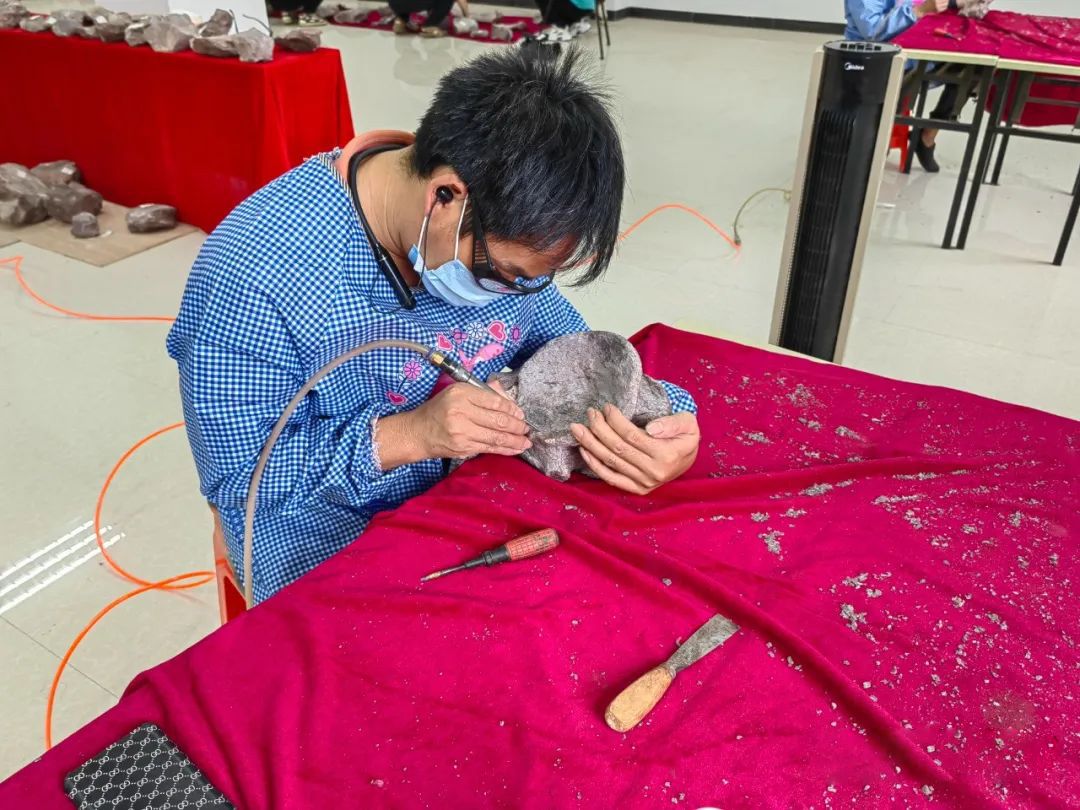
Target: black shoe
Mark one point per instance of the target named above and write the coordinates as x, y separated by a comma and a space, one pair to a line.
925, 154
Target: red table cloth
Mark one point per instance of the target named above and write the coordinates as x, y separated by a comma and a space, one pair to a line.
187, 130
901, 560
1008, 35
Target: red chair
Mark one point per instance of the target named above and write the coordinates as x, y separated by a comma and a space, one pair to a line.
901, 138
230, 597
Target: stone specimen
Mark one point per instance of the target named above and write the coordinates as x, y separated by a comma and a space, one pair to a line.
567, 376
170, 34
151, 217
84, 225
465, 25
254, 46
111, 27
352, 15
64, 202
22, 196
67, 23
222, 46
11, 14
135, 34
328, 8
57, 172
36, 25
219, 24
301, 40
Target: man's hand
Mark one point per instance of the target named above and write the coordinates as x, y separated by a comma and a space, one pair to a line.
633, 459
930, 7
461, 421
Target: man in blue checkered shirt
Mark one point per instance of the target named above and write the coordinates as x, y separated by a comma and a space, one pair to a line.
515, 173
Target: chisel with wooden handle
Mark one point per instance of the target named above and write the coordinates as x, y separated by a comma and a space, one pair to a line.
639, 698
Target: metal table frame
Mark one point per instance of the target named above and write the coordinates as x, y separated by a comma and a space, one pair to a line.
977, 71
1022, 75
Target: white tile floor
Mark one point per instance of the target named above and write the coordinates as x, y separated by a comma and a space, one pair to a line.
709, 115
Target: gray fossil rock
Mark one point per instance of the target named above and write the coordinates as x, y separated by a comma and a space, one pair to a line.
220, 46
300, 40
254, 46
36, 24
171, 34
84, 225
22, 196
12, 14
64, 202
219, 24
151, 217
57, 172
72, 23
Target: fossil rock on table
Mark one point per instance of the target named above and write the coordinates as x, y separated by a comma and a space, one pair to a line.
254, 46
221, 46
219, 24
72, 22
112, 27
22, 196
36, 24
84, 225
12, 14
300, 40
171, 34
151, 217
64, 202
57, 172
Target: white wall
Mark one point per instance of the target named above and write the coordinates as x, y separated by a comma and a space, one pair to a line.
819, 10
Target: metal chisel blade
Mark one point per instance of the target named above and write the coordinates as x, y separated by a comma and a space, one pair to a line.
706, 638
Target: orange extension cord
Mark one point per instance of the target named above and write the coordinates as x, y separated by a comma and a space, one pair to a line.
192, 579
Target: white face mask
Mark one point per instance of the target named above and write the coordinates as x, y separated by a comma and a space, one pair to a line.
451, 282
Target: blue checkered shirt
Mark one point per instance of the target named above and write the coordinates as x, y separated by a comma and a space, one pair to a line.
286, 283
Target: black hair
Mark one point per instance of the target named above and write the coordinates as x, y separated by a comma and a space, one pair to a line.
536, 144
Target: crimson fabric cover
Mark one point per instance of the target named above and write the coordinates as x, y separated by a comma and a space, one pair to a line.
191, 131
901, 560
1009, 35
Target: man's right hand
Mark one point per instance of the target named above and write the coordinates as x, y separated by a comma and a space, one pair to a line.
459, 422
931, 7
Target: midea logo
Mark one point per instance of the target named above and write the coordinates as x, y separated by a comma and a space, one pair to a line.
853, 66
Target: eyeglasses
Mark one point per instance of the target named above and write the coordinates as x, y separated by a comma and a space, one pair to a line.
486, 274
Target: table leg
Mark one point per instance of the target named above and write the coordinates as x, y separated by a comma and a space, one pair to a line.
1001, 84
1070, 223
1023, 90
969, 153
992, 133
920, 106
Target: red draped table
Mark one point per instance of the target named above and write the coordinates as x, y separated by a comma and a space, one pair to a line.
1036, 60
901, 560
187, 130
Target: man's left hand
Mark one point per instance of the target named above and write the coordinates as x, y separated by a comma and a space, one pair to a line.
636, 460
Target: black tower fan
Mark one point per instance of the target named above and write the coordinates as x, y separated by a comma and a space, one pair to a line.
849, 111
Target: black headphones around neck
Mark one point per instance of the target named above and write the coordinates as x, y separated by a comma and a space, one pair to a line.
386, 262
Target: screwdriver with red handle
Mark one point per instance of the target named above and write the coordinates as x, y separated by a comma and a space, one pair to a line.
520, 548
